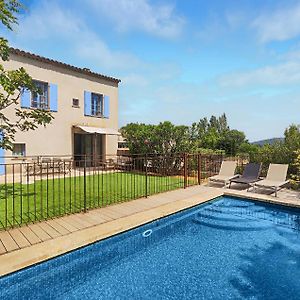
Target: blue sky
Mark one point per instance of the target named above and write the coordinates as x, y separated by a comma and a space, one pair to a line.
180, 60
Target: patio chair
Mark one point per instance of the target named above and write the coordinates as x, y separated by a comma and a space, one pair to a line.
276, 178
250, 175
225, 174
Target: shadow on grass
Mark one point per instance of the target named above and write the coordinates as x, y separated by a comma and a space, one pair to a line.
9, 191
50, 198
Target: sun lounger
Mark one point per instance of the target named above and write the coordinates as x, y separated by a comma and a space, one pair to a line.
250, 175
276, 178
226, 173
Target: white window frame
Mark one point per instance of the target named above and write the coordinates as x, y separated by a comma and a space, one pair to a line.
42, 100
97, 111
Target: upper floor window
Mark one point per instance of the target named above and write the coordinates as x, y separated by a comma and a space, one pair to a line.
40, 100
97, 105
47, 98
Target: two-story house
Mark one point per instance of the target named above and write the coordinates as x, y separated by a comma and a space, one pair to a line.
84, 105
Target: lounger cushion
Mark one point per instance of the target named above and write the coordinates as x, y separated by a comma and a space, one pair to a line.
252, 170
220, 178
277, 172
244, 180
226, 172
227, 168
271, 183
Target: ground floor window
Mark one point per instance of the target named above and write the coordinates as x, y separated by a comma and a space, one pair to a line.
19, 150
122, 144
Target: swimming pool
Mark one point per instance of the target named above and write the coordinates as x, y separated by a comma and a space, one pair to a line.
228, 248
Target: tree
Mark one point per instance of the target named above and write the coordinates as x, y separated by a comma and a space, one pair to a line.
222, 124
213, 122
247, 148
13, 83
138, 137
198, 131
216, 134
210, 139
292, 137
164, 138
295, 176
231, 140
171, 139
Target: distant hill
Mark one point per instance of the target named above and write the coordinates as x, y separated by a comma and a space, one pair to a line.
268, 141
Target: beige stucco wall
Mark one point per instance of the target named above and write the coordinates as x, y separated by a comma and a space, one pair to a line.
57, 138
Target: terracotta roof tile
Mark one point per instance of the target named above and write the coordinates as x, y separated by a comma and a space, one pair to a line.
85, 71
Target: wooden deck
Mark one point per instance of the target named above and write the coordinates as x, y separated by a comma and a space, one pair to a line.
23, 246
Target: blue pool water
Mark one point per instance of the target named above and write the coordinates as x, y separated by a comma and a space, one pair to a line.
226, 249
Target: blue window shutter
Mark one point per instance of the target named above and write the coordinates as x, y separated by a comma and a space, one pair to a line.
53, 97
25, 98
2, 167
106, 107
87, 103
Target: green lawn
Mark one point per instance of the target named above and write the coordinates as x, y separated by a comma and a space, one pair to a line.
53, 197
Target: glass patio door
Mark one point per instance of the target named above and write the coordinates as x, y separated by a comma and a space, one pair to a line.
88, 146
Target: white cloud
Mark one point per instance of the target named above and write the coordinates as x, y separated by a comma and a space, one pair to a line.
286, 73
92, 49
235, 19
135, 80
216, 25
69, 32
46, 19
214, 28
292, 55
279, 25
140, 15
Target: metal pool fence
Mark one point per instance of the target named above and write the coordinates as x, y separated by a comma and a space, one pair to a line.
39, 188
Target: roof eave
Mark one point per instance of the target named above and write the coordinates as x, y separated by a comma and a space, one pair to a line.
63, 65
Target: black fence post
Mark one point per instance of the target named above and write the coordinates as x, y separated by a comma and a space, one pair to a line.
84, 184
199, 168
221, 160
146, 176
185, 170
